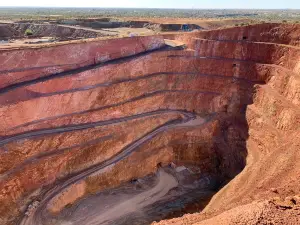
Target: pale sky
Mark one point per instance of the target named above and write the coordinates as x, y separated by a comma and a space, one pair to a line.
266, 4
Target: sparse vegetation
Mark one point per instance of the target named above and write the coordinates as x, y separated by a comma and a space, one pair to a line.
13, 13
242, 24
28, 32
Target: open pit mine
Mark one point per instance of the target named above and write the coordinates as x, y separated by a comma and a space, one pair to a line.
150, 128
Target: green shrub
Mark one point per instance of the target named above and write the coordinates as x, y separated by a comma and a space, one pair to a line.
28, 32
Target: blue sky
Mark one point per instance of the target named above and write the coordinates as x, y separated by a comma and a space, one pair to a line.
267, 4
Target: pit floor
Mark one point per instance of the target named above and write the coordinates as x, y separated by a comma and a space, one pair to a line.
169, 193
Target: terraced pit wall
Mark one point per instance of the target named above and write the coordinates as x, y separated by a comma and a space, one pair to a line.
85, 116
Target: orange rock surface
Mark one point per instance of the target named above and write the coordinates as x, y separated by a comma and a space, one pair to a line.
91, 113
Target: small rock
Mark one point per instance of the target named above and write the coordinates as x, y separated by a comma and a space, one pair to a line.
172, 165
291, 200
274, 190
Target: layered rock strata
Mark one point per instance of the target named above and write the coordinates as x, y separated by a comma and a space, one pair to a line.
82, 117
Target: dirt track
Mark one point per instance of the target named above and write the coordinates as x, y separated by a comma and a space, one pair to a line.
165, 184
187, 121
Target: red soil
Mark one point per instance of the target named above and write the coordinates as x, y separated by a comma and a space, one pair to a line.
246, 88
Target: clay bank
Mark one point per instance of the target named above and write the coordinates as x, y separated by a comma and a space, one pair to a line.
148, 128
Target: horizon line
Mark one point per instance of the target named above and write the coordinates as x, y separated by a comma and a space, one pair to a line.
193, 8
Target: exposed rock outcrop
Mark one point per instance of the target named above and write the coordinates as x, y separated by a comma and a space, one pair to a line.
89, 116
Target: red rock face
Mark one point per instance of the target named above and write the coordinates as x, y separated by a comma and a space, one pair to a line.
79, 115
20, 65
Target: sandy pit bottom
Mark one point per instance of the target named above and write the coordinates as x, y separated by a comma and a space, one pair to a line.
168, 193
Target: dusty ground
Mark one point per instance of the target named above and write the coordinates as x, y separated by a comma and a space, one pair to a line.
273, 211
205, 23
138, 202
12, 32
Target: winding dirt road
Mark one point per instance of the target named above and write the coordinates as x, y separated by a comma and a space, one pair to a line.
138, 202
37, 219
69, 128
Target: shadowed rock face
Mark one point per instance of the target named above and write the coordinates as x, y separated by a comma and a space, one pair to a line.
86, 117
